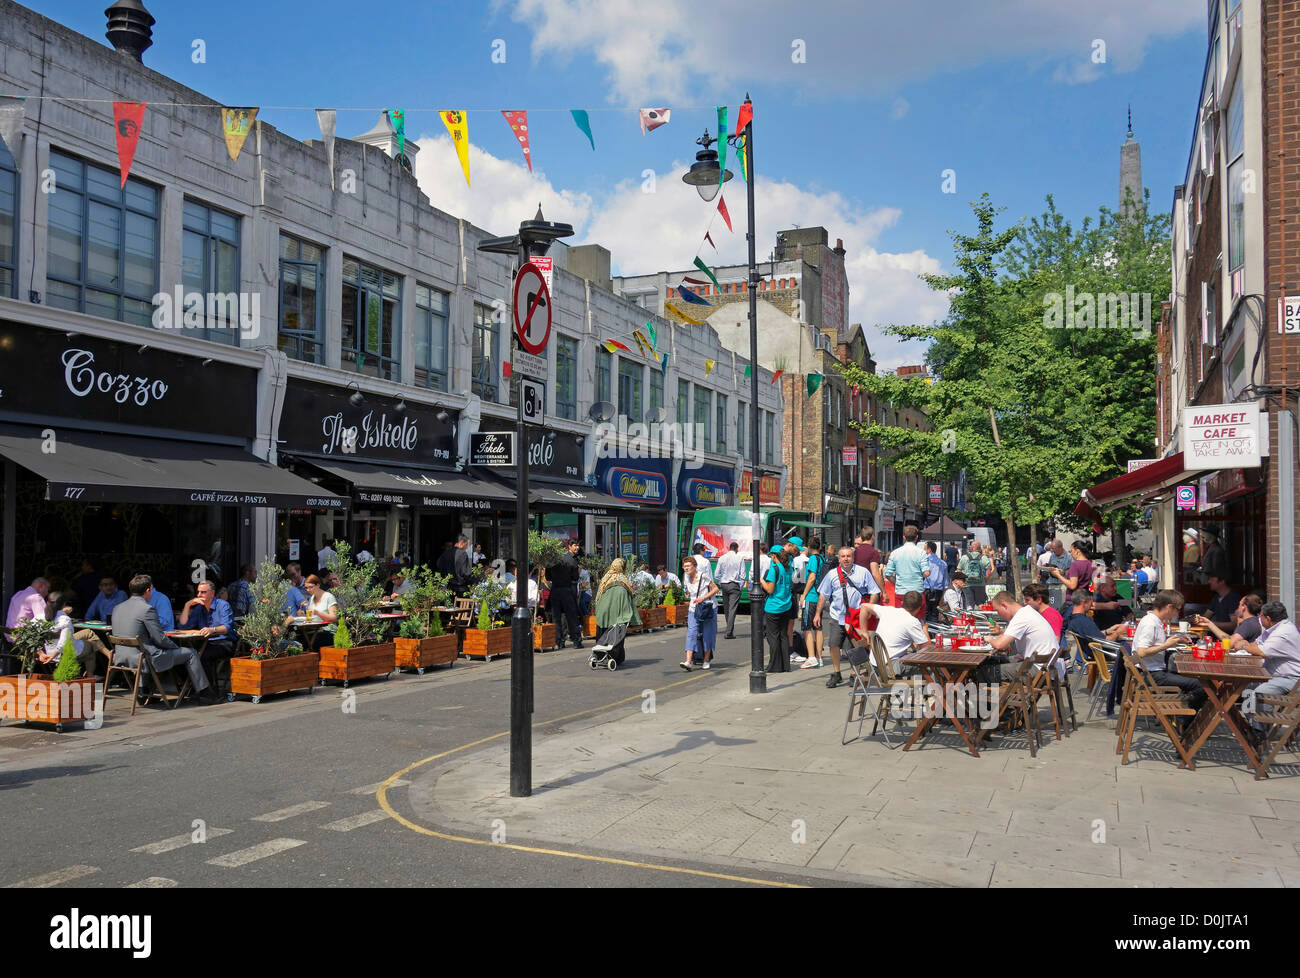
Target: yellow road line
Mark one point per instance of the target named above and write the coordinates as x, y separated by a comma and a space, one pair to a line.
381, 795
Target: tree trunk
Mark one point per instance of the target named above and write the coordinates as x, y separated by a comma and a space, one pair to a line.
1117, 543
1013, 562
1030, 563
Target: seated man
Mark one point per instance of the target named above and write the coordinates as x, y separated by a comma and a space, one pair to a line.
87, 645
136, 618
1247, 614
1036, 597
240, 593
1279, 646
1082, 625
163, 605
401, 584
295, 602
108, 598
955, 599
902, 627
1027, 633
212, 617
1223, 606
664, 577
1109, 609
1152, 642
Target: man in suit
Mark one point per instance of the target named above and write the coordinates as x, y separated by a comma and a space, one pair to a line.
137, 618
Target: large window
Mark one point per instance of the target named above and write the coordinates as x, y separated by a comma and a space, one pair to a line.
566, 378
656, 389
769, 438
722, 422
372, 314
102, 247
683, 402
484, 350
703, 420
742, 427
629, 390
8, 224
210, 267
1236, 177
431, 312
302, 319
604, 367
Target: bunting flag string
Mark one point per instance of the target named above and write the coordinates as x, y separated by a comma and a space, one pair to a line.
743, 117
699, 263
777, 376
654, 334
742, 151
458, 128
518, 120
814, 381
397, 119
709, 238
695, 281
612, 345
127, 118
11, 127
643, 345
722, 145
708, 366
747, 370
584, 123
691, 297
665, 364
722, 209
676, 313
652, 119
235, 125
327, 119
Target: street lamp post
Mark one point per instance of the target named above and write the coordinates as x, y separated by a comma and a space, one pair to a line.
707, 177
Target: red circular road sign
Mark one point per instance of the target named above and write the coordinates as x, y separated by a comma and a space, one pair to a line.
533, 313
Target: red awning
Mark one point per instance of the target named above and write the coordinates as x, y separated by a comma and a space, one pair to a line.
1148, 481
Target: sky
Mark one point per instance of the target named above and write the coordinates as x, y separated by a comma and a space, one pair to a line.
860, 108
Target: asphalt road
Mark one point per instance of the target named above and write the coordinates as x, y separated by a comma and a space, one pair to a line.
286, 797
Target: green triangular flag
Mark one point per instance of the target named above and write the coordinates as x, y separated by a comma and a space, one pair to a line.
722, 144
584, 123
654, 336
744, 158
666, 364
397, 118
814, 381
746, 370
699, 263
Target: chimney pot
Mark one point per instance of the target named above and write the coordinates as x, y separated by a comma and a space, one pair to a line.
130, 28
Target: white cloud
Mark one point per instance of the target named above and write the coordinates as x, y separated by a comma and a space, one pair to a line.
671, 50
900, 108
664, 230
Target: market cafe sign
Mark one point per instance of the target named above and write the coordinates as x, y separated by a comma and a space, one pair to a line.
1221, 436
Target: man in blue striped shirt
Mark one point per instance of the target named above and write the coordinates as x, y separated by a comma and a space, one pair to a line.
907, 566
936, 583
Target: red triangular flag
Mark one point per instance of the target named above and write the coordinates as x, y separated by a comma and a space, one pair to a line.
694, 281
127, 117
743, 116
709, 239
777, 376
518, 120
722, 209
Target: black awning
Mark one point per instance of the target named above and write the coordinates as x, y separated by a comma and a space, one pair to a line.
90, 467
580, 499
375, 483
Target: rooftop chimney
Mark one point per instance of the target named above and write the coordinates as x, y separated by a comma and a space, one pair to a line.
130, 28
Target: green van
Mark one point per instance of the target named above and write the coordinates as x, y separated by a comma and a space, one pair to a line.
717, 527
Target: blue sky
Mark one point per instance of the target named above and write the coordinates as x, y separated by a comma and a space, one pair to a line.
1008, 93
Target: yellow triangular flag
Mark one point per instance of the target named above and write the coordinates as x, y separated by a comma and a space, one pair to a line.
458, 127
235, 124
708, 366
678, 314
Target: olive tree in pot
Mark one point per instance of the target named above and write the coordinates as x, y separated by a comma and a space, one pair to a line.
359, 596
276, 662
421, 641
34, 698
490, 635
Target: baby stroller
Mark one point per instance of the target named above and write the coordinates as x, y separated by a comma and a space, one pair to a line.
608, 652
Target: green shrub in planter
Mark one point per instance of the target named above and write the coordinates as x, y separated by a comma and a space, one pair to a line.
342, 640
68, 668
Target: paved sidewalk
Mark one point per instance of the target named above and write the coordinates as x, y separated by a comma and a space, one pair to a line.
717, 775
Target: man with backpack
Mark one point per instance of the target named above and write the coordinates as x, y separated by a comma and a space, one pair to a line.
844, 591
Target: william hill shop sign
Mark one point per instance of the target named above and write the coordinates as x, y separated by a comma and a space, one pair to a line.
705, 485
637, 486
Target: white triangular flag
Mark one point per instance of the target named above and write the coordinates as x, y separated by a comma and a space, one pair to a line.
652, 119
11, 127
326, 119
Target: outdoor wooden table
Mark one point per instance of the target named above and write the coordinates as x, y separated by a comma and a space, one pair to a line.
94, 626
942, 667
1224, 682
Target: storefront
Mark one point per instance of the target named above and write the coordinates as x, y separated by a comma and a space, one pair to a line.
393, 461
114, 456
868, 501
700, 487
642, 529
837, 514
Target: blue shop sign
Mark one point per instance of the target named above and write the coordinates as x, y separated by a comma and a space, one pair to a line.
706, 485
642, 481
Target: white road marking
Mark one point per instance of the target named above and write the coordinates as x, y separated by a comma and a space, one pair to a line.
356, 821
291, 811
153, 883
178, 841
59, 876
370, 789
243, 857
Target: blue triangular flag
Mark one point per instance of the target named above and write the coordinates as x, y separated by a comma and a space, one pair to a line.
584, 123
690, 296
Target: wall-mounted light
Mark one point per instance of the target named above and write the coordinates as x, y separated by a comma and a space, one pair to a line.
400, 407
143, 348
206, 362
356, 398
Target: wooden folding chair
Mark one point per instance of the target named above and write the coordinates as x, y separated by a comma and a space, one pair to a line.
885, 681
1099, 670
1145, 699
1016, 702
464, 613
1283, 714
114, 643
1046, 682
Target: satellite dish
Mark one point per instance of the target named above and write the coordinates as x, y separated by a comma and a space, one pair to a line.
602, 411
657, 415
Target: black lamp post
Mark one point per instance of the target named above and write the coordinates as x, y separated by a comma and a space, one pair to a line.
707, 177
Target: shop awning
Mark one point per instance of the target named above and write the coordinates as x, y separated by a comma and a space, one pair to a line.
582, 500
1132, 487
92, 467
375, 483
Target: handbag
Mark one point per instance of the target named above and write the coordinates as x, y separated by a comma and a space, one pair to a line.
853, 624
704, 610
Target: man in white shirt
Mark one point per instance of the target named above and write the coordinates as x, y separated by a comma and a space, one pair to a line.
1279, 646
846, 580
665, 577
902, 627
533, 592
1152, 642
955, 598
324, 555
1027, 633
730, 578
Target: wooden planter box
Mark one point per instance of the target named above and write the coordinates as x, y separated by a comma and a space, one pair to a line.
589, 626
260, 677
494, 642
39, 699
421, 653
676, 613
543, 636
357, 663
654, 617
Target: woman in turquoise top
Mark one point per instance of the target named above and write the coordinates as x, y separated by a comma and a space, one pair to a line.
812, 637
777, 609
